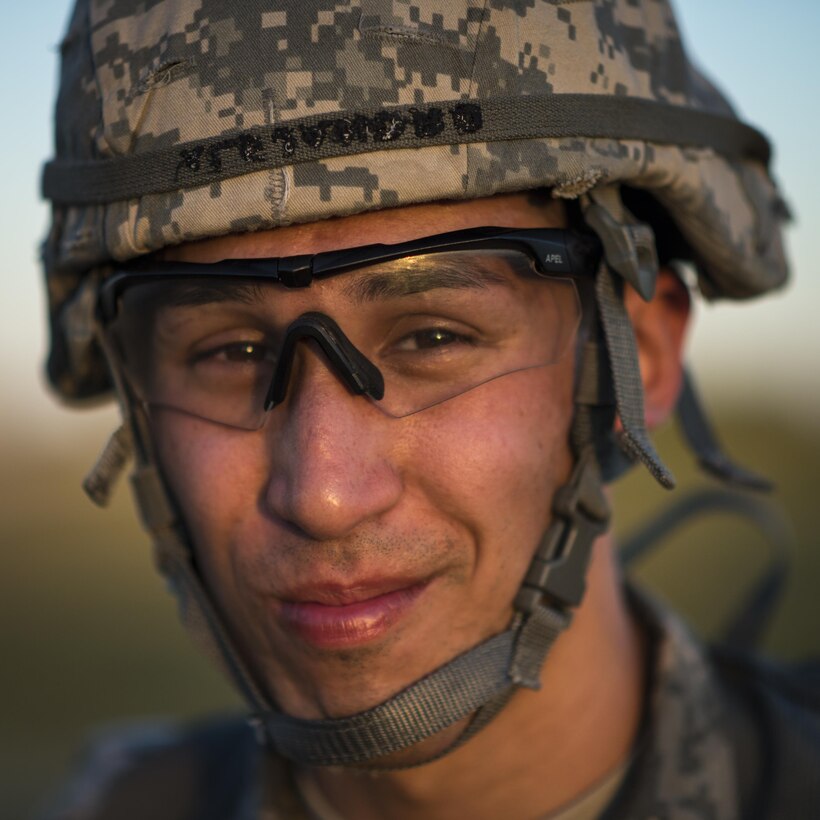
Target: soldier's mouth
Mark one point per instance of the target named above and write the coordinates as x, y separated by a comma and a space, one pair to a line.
336, 618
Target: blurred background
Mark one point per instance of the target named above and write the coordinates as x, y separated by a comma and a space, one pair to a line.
87, 634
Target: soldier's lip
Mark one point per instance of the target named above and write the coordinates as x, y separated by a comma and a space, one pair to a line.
335, 617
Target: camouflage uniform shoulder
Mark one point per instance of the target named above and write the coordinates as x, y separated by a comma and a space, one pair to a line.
208, 770
777, 731
726, 735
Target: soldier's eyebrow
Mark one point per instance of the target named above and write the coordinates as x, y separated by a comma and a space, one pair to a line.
420, 274
185, 294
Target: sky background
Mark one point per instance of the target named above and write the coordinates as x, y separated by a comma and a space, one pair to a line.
764, 353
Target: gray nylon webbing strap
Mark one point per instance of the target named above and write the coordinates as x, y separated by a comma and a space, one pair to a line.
159, 519
216, 631
100, 480
623, 353
536, 639
594, 384
452, 692
348, 133
594, 402
539, 633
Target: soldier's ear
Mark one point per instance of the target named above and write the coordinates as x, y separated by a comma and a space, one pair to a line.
660, 329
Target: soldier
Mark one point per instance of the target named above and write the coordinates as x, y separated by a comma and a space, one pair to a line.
387, 293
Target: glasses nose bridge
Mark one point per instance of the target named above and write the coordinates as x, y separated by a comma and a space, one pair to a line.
310, 374
340, 355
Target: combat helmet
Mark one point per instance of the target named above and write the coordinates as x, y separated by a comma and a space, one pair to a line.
178, 121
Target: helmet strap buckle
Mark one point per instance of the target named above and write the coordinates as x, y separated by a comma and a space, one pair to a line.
581, 513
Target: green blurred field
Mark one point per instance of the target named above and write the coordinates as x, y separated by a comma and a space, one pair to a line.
89, 636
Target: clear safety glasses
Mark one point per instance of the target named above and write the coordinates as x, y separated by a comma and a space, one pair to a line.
408, 326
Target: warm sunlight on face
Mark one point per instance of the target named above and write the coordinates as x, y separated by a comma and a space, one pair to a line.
353, 552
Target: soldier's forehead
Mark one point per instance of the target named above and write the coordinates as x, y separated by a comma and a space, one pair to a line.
533, 209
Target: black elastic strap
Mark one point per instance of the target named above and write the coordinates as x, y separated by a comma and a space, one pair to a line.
348, 133
702, 439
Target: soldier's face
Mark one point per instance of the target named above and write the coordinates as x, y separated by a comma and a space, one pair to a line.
350, 552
